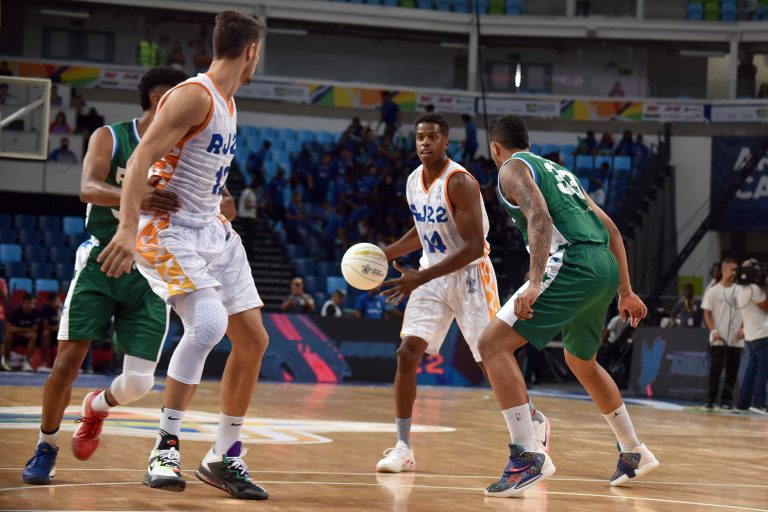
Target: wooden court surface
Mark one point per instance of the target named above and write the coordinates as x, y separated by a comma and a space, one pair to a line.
709, 462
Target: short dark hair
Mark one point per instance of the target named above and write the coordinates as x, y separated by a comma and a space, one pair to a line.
28, 296
158, 77
233, 32
510, 131
433, 117
51, 297
728, 260
465, 117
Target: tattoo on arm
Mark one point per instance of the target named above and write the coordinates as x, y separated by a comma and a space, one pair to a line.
518, 184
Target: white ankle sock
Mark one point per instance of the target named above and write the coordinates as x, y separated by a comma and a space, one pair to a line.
228, 432
521, 427
621, 425
51, 439
170, 423
403, 426
100, 404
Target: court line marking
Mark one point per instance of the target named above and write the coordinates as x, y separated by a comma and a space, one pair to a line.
438, 487
423, 475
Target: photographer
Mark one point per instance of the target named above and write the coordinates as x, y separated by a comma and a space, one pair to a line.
752, 303
722, 317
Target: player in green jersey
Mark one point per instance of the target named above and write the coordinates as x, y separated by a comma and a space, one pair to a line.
578, 263
93, 300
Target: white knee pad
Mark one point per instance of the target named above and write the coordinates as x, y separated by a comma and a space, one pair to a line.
205, 323
136, 380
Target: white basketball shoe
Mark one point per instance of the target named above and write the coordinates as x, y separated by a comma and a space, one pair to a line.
397, 459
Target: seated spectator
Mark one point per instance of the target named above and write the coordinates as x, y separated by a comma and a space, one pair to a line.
59, 124
202, 59
51, 315
56, 99
597, 191
606, 144
355, 128
324, 174
63, 154
370, 305
368, 184
625, 147
332, 306
22, 329
687, 310
176, 59
294, 218
616, 90
298, 301
639, 148
587, 145
603, 173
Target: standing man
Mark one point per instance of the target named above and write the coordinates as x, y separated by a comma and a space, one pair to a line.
470, 139
577, 264
194, 259
687, 310
753, 303
94, 299
726, 339
390, 115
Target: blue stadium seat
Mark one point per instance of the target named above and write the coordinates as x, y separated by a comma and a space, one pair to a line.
305, 266
320, 299
50, 223
460, 6
74, 241
373, 2
443, 5
5, 220
29, 237
728, 10
25, 221
279, 155
332, 283
268, 132
15, 269
547, 149
325, 137
53, 238
287, 134
20, 283
696, 11
480, 6
250, 131
74, 225
567, 149
294, 251
535, 149
46, 285
293, 146
40, 270
34, 254
390, 3
586, 162
568, 161
7, 236
424, 4
64, 271
622, 163
10, 253
310, 284
61, 255
326, 268
584, 183
599, 160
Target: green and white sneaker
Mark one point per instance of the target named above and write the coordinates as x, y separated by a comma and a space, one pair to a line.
164, 471
229, 473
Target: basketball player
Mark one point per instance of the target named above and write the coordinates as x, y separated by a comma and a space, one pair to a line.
456, 280
194, 259
577, 264
141, 317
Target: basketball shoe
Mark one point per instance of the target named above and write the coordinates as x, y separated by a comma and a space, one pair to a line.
87, 436
42, 466
541, 429
397, 459
523, 470
229, 473
164, 471
636, 462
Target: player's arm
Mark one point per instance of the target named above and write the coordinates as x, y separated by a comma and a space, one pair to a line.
228, 208
184, 109
408, 243
463, 193
96, 164
629, 303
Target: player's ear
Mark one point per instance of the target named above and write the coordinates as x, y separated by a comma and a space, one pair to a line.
155, 98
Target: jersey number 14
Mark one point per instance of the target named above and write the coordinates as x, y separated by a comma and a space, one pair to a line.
435, 243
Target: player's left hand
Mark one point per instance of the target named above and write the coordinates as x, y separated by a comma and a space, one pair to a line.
403, 285
631, 305
117, 258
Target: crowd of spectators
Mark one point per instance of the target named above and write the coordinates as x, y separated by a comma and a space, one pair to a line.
626, 146
30, 328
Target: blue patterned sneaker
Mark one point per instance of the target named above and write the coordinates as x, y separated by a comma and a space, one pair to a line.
524, 469
42, 466
636, 462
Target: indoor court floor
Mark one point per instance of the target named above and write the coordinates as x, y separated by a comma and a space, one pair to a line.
314, 447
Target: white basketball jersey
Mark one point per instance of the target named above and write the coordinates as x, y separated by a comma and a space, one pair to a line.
196, 168
433, 215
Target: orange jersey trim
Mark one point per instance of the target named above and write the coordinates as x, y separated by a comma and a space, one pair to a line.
230, 101
148, 247
445, 184
421, 178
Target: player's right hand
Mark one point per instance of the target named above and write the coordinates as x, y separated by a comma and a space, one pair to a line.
117, 258
632, 306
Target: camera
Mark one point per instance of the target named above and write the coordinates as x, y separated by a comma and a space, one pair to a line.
752, 273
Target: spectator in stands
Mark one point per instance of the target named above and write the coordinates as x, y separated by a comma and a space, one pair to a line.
390, 115
256, 159
715, 274
22, 328
762, 92
324, 174
687, 310
298, 301
294, 218
616, 91
355, 128
587, 145
276, 196
753, 305
333, 229
51, 316
60, 125
56, 99
6, 98
5, 69
332, 306
606, 144
176, 59
78, 102
146, 53
723, 318
625, 147
640, 149
370, 305
89, 123
597, 190
470, 145
247, 209
63, 154
3, 299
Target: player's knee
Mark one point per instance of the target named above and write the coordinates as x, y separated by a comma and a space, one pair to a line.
580, 367
209, 323
129, 387
486, 347
408, 354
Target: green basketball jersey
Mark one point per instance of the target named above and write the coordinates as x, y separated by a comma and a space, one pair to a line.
573, 219
102, 221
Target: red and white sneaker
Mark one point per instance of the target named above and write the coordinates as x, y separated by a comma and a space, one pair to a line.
87, 436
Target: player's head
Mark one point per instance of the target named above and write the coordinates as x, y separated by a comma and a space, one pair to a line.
431, 138
508, 134
237, 38
155, 83
28, 302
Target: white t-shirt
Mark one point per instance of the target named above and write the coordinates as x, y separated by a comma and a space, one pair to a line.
330, 308
723, 304
755, 319
243, 211
615, 328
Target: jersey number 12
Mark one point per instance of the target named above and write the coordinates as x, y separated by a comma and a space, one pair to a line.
221, 180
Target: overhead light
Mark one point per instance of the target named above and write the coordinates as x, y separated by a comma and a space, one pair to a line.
66, 14
702, 53
454, 45
289, 31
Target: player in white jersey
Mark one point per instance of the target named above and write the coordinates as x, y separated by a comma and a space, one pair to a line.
456, 279
194, 259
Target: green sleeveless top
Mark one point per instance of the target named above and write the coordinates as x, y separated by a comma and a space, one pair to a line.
102, 221
574, 221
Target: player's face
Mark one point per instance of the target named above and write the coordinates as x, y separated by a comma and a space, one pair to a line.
431, 144
252, 57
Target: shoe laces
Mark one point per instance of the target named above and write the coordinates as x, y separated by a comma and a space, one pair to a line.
400, 449
237, 464
169, 457
90, 422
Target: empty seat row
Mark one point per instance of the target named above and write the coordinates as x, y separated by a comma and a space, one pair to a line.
21, 221
12, 253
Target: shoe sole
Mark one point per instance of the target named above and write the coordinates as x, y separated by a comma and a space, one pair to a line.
36, 480
545, 473
223, 487
165, 483
386, 469
644, 470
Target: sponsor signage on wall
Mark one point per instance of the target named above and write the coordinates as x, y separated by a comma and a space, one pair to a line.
739, 113
446, 104
667, 112
528, 108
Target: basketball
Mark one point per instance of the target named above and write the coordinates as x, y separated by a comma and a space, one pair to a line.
364, 266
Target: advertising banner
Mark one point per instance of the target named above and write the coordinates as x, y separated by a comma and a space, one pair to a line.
549, 109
